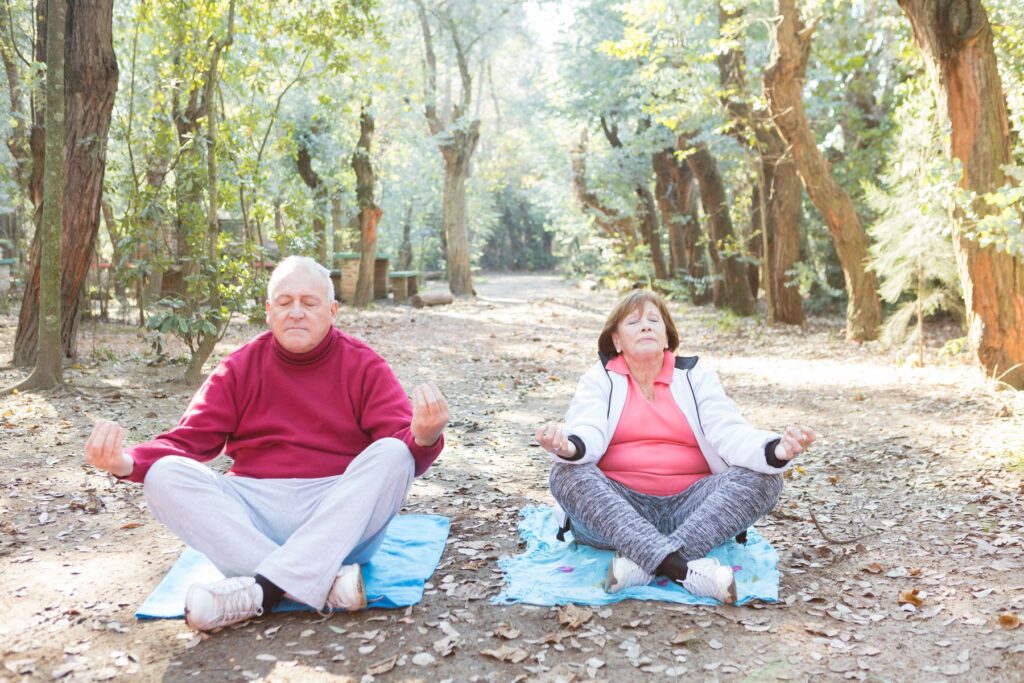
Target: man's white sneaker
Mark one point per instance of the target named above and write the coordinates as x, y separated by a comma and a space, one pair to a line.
624, 573
347, 592
212, 605
706, 578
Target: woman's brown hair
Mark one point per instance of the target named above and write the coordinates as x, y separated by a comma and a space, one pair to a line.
631, 302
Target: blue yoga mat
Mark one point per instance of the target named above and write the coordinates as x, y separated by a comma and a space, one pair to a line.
394, 577
553, 572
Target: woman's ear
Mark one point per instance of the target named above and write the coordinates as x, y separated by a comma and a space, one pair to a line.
615, 342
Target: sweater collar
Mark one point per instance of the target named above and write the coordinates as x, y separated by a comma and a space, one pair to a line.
668, 366
308, 357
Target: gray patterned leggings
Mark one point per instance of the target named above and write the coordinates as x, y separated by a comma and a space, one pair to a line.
646, 528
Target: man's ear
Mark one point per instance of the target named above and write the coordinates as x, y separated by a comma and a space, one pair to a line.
334, 309
266, 308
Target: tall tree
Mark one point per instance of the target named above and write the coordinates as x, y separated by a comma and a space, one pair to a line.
783, 84
369, 212
956, 39
90, 84
49, 366
778, 187
457, 133
732, 289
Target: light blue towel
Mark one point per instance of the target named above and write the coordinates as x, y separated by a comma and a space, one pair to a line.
394, 577
553, 572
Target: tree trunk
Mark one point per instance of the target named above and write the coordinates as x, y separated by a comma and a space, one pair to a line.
369, 212
456, 170
956, 39
405, 252
90, 84
776, 209
458, 135
313, 181
652, 230
48, 371
783, 84
723, 246
669, 194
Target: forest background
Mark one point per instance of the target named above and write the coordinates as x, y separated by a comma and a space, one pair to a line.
837, 157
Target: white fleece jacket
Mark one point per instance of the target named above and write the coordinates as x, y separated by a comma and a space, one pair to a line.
724, 437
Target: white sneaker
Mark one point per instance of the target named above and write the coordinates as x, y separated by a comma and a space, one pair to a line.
212, 605
624, 573
706, 578
347, 592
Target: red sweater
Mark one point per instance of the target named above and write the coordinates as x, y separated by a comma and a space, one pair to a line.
283, 415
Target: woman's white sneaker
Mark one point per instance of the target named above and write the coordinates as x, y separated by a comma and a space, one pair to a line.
706, 578
347, 591
209, 606
624, 573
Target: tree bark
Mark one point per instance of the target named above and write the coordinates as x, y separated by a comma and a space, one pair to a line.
956, 39
314, 182
369, 212
457, 137
723, 246
48, 371
776, 209
783, 83
669, 195
90, 84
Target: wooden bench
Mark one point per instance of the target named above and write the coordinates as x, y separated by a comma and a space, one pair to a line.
404, 284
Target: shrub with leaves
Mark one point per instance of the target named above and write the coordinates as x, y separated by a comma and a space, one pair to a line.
912, 252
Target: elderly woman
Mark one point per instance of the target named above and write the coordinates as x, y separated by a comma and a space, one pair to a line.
655, 462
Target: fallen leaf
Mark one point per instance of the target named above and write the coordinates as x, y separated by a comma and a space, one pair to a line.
685, 635
507, 654
383, 666
572, 616
506, 632
910, 597
1009, 620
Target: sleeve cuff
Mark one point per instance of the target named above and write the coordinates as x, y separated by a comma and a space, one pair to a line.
581, 449
769, 455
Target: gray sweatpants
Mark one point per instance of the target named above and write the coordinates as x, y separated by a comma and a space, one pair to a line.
646, 528
295, 532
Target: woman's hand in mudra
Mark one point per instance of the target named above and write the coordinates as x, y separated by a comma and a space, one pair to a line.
551, 438
795, 440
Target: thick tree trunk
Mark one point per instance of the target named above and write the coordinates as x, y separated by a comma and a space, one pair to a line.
776, 206
783, 84
369, 212
456, 170
668, 194
723, 246
90, 84
956, 39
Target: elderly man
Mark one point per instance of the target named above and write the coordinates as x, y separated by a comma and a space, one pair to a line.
325, 448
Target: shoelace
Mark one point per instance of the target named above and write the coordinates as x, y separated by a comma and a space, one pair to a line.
699, 583
236, 602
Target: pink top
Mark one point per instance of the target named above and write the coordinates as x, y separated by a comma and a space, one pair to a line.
283, 415
653, 449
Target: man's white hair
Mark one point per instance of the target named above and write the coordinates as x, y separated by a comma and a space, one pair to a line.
292, 263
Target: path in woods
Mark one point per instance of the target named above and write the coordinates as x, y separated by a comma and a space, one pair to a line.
925, 465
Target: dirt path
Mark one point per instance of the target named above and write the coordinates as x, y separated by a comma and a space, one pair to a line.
926, 465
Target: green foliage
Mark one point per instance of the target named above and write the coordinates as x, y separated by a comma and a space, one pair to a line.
913, 251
